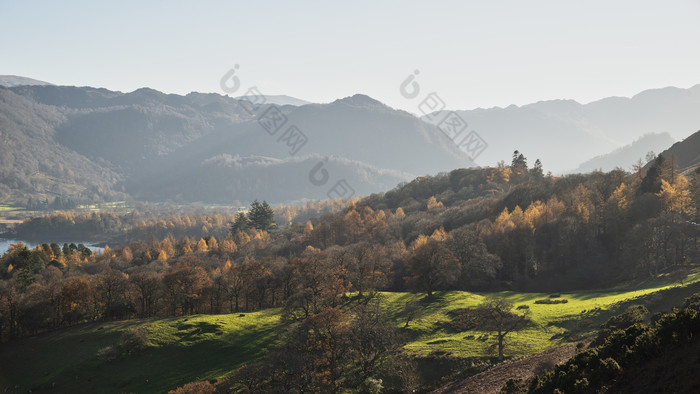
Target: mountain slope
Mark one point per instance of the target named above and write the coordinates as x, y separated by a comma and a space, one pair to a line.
686, 152
15, 80
31, 160
279, 100
169, 147
575, 132
628, 155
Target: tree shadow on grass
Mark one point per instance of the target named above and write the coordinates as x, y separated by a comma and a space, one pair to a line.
189, 331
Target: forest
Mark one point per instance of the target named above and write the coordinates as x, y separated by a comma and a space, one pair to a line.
509, 227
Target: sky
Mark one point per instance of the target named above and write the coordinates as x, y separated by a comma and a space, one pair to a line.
472, 54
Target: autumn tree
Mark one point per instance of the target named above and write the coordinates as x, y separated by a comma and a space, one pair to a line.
184, 284
234, 284
374, 338
146, 289
477, 267
316, 283
431, 267
368, 266
676, 196
110, 288
695, 192
75, 296
433, 204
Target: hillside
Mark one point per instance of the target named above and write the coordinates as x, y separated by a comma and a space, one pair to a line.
575, 132
15, 80
31, 160
686, 152
199, 347
279, 100
407, 273
161, 147
627, 156
661, 356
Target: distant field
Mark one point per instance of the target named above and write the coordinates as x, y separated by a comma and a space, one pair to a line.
9, 208
184, 349
105, 206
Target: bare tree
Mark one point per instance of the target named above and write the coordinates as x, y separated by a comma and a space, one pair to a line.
495, 316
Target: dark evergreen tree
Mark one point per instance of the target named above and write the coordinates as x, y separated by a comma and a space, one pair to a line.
652, 181
261, 215
241, 223
536, 170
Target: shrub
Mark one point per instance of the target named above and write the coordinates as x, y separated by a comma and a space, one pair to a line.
550, 301
513, 386
203, 387
108, 354
692, 302
464, 319
133, 340
373, 386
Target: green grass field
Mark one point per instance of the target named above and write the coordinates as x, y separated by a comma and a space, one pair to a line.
551, 324
200, 347
181, 350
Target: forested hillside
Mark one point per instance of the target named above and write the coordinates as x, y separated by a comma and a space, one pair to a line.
147, 145
507, 227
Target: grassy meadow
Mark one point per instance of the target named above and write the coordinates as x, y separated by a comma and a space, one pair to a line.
184, 349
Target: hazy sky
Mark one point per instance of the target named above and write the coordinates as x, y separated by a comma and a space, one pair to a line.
473, 54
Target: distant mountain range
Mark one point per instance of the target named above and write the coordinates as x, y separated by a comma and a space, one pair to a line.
565, 133
628, 155
279, 100
15, 80
91, 143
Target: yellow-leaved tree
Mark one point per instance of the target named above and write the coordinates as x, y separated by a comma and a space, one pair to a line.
434, 204
676, 196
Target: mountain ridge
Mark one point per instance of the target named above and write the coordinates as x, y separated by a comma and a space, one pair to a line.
576, 132
146, 138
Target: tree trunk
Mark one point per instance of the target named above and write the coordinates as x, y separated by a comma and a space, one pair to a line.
500, 346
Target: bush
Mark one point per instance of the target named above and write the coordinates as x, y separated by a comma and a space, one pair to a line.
464, 319
108, 354
373, 386
634, 314
133, 340
195, 388
550, 301
692, 302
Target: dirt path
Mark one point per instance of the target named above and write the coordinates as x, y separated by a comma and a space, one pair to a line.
492, 381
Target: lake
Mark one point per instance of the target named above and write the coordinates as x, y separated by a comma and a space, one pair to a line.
5, 244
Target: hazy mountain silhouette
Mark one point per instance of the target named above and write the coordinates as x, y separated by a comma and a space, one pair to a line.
15, 80
169, 147
279, 100
32, 162
563, 133
628, 155
92, 143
